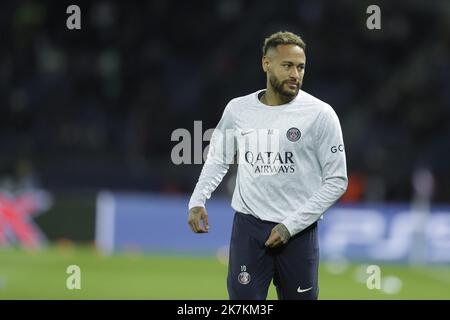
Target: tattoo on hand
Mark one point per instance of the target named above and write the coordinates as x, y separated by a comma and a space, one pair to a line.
283, 232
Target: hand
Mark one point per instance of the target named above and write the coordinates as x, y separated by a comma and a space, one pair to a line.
195, 215
280, 235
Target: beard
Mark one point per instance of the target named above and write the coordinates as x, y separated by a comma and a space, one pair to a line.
279, 87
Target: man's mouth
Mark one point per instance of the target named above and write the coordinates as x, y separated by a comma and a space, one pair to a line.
292, 84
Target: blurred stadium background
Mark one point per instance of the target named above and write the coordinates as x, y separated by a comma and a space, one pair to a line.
86, 176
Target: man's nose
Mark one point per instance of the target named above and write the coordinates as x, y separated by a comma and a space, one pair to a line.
295, 74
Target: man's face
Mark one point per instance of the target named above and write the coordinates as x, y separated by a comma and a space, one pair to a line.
285, 68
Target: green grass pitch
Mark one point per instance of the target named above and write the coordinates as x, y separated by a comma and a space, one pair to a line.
42, 275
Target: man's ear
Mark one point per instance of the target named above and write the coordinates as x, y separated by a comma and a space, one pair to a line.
265, 63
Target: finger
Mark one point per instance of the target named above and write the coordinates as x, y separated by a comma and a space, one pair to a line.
277, 243
271, 239
193, 222
273, 243
205, 222
197, 227
274, 240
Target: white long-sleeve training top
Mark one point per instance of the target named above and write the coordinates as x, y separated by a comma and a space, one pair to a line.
291, 159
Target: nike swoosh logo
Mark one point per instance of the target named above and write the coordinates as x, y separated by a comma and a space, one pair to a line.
300, 290
246, 132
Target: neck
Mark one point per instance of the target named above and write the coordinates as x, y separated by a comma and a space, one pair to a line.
273, 98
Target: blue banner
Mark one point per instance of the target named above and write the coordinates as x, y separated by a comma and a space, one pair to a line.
381, 232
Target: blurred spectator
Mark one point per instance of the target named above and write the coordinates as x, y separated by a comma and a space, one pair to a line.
96, 107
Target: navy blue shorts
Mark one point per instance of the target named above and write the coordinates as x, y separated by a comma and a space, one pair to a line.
252, 266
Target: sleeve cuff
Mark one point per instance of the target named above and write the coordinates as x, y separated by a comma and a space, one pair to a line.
197, 203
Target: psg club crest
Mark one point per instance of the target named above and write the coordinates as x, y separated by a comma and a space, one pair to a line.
244, 277
293, 134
